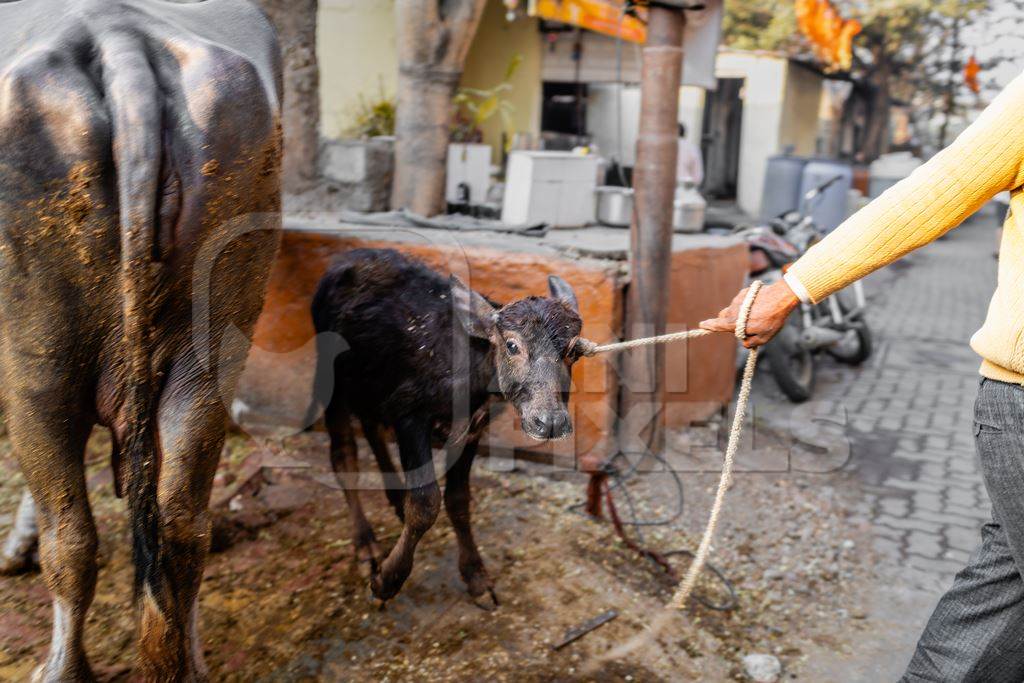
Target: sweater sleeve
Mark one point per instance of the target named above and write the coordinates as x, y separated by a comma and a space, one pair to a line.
984, 160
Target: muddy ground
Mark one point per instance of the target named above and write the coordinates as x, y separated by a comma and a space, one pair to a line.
286, 602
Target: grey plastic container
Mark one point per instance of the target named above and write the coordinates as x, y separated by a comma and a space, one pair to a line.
889, 169
830, 210
782, 179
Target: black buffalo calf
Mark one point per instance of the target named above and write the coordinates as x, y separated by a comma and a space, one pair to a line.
421, 354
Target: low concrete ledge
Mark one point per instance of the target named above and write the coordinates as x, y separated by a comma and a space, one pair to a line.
706, 272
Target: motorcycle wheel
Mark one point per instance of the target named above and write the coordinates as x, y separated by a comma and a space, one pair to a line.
791, 364
855, 347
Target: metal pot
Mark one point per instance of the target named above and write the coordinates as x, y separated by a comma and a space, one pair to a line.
688, 209
614, 206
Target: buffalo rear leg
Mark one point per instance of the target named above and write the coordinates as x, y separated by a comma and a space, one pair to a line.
422, 503
394, 486
457, 500
19, 551
50, 448
345, 463
192, 421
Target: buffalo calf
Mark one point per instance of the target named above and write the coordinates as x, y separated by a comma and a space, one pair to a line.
423, 356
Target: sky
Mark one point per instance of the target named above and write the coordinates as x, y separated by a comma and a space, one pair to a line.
1000, 35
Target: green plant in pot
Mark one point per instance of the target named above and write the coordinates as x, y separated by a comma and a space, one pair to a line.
374, 117
475, 106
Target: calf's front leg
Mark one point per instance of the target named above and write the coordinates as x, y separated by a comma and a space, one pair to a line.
422, 503
456, 503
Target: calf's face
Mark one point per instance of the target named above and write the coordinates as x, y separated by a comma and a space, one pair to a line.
534, 342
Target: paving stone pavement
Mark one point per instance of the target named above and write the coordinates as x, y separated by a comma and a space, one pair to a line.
907, 418
911, 407
907, 413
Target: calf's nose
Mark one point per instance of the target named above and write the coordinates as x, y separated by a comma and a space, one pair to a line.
551, 425
561, 425
540, 425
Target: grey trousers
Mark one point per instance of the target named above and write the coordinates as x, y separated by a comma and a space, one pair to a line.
977, 630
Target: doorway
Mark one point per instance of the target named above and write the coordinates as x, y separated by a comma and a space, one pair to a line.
720, 138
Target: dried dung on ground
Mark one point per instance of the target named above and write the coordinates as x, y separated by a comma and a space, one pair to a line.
285, 601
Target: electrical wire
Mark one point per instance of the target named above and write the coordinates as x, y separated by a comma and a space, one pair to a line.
617, 483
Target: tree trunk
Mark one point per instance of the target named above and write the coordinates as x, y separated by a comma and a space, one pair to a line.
843, 130
422, 129
949, 96
877, 105
433, 39
295, 21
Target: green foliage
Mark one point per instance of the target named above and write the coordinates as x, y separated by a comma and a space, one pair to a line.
373, 117
910, 40
761, 25
474, 107
909, 50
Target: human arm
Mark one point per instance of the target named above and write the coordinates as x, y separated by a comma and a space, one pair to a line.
983, 161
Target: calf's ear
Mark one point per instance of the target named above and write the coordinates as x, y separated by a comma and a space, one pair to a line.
473, 311
562, 291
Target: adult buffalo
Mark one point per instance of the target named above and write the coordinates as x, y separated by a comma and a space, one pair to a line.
139, 214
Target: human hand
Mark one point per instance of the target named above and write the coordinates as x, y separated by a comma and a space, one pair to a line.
771, 308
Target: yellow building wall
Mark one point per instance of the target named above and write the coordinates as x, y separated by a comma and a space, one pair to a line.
496, 41
801, 110
356, 53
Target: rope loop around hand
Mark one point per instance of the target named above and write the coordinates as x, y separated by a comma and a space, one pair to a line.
744, 314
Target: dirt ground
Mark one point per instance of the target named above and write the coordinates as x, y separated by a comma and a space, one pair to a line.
286, 602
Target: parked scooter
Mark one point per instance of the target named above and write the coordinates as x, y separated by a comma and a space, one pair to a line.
835, 325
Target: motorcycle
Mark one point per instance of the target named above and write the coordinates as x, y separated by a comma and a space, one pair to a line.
835, 324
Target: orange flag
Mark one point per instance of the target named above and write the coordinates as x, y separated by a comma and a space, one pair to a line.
971, 71
831, 36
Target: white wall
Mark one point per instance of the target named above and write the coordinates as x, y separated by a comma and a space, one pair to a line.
691, 111
762, 95
356, 53
602, 117
600, 62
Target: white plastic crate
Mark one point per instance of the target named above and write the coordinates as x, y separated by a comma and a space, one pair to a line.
550, 187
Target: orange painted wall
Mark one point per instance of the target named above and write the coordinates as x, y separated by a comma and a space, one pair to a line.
276, 384
700, 375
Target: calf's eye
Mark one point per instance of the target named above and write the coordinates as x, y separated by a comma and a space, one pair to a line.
511, 347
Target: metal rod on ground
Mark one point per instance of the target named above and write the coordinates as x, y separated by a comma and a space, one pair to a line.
641, 407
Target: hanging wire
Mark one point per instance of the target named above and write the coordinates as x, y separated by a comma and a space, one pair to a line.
618, 479
617, 483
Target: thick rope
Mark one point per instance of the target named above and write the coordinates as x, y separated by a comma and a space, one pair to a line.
725, 481
590, 348
682, 593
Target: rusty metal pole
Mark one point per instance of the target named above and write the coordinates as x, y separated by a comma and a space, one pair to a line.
642, 404
641, 400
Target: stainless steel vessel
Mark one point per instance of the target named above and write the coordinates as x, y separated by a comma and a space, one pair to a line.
614, 206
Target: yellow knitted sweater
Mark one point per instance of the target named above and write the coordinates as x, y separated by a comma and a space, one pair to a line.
984, 160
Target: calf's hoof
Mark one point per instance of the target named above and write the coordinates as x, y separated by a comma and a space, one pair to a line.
478, 582
385, 586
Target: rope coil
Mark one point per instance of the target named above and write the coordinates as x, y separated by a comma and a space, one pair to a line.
735, 431
685, 588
